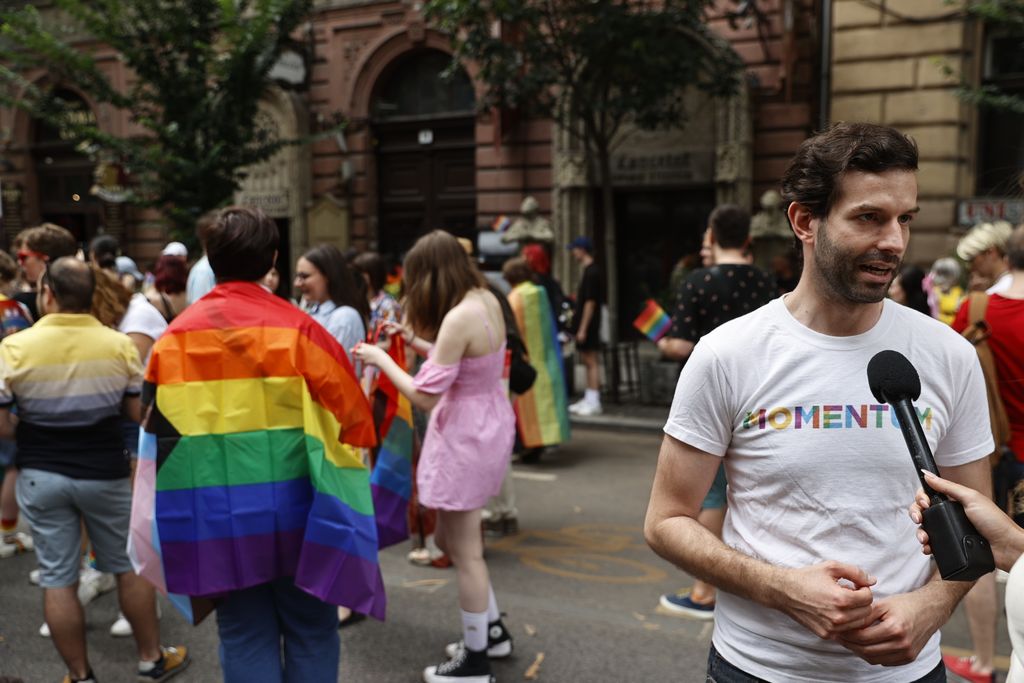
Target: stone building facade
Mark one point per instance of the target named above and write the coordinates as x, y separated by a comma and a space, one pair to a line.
888, 61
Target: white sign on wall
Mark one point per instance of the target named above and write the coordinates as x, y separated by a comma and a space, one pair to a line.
987, 209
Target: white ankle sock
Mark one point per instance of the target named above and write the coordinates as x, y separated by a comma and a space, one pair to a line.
493, 614
592, 396
474, 630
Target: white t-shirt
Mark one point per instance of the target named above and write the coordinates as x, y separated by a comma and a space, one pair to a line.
1001, 284
141, 317
818, 470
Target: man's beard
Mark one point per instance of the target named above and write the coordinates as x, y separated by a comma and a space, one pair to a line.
839, 269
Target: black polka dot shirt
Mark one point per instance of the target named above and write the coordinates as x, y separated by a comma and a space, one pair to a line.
711, 296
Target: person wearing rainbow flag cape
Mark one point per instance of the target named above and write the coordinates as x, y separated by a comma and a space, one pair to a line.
542, 414
251, 497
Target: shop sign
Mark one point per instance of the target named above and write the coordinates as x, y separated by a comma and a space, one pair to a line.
987, 209
276, 204
667, 167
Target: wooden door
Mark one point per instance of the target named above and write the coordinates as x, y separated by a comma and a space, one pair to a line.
426, 179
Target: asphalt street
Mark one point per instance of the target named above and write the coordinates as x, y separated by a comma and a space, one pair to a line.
578, 583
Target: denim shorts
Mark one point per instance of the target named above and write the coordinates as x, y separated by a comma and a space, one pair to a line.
55, 506
715, 500
7, 452
721, 671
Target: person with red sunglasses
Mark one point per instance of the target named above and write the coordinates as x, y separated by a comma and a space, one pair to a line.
41, 245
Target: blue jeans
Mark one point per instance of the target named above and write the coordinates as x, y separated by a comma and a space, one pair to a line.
721, 671
252, 624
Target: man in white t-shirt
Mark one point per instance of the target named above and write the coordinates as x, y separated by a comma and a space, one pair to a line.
820, 574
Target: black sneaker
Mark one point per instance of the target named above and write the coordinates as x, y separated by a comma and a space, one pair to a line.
499, 642
467, 666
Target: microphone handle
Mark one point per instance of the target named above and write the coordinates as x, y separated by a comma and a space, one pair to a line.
920, 452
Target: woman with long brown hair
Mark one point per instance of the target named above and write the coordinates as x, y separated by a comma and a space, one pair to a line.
457, 322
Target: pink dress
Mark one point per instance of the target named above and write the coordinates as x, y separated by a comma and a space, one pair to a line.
470, 435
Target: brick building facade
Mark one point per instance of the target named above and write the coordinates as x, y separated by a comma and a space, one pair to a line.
417, 155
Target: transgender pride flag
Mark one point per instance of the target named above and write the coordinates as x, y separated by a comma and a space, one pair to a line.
248, 469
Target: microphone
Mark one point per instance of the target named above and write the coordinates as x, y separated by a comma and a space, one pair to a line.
961, 553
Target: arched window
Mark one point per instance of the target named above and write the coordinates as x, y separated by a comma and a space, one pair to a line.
64, 175
418, 87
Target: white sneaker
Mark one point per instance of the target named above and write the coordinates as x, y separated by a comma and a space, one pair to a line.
44, 630
589, 410
92, 583
121, 628
14, 543
574, 408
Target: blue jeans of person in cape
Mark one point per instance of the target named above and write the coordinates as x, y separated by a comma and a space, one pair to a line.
254, 623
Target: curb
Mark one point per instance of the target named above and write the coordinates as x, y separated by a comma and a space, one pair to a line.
617, 423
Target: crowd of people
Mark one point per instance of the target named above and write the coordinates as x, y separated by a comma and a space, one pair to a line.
137, 444
106, 348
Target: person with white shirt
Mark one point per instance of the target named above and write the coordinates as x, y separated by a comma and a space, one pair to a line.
983, 249
818, 571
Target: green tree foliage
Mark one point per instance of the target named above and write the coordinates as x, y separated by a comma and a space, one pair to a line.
592, 66
196, 73
1007, 17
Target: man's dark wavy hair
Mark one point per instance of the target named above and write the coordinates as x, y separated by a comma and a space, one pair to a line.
241, 244
813, 176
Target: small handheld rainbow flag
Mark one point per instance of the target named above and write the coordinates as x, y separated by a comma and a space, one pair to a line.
653, 321
501, 223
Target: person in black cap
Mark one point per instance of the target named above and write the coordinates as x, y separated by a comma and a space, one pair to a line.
587, 325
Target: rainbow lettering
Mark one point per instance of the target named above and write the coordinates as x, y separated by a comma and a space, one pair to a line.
830, 416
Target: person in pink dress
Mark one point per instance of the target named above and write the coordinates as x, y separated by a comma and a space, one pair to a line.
457, 323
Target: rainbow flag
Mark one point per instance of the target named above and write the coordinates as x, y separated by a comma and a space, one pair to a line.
542, 413
247, 468
391, 480
653, 321
501, 223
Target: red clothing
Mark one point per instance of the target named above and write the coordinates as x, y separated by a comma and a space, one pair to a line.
1005, 318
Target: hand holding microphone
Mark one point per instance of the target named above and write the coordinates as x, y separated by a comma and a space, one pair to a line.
961, 553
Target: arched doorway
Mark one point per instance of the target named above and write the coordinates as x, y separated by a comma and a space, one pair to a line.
64, 175
279, 186
425, 143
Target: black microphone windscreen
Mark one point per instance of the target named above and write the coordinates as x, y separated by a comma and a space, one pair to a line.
892, 377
